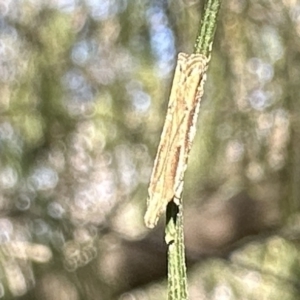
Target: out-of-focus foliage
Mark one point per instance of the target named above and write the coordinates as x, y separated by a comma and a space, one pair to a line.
84, 87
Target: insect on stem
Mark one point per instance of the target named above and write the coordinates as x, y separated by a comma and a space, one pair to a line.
178, 133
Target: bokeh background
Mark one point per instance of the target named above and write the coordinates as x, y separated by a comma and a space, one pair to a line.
83, 94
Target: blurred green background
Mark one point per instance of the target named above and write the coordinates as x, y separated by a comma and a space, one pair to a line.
83, 94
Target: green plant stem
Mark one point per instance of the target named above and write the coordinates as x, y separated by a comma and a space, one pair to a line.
177, 278
208, 24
